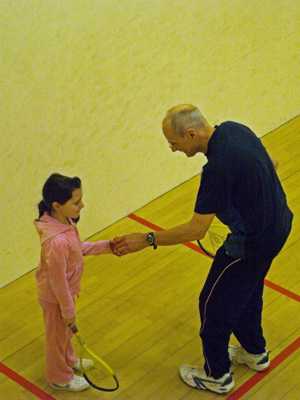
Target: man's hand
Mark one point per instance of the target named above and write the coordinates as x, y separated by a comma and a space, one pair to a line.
129, 243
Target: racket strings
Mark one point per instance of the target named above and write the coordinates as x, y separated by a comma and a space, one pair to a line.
216, 239
101, 376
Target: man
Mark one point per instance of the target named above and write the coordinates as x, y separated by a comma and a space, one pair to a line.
239, 185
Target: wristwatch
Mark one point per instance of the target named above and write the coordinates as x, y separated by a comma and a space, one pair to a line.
151, 239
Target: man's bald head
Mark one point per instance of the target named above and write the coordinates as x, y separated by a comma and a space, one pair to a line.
183, 116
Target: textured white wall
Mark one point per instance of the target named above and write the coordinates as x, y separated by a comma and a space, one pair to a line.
84, 85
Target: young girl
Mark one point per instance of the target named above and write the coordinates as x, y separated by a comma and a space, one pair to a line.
58, 276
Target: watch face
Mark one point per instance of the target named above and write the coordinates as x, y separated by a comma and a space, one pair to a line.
150, 238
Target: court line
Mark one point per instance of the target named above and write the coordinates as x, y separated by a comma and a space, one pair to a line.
150, 225
275, 362
20, 380
268, 283
282, 290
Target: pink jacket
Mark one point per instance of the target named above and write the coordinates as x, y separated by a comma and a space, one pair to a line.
61, 263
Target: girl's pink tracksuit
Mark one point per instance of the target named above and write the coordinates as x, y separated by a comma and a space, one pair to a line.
58, 281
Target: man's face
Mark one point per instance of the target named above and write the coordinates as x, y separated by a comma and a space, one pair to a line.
185, 143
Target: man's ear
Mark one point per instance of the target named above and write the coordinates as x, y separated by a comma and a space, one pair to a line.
190, 132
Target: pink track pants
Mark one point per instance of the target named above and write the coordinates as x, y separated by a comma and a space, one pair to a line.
60, 356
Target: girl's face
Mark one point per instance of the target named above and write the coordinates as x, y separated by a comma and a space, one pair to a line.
72, 208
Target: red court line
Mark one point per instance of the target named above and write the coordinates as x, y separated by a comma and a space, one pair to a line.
282, 290
150, 225
194, 247
14, 376
248, 385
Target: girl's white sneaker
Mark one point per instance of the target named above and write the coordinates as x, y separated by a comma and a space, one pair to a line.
76, 384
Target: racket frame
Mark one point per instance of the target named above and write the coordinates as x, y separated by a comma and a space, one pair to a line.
98, 359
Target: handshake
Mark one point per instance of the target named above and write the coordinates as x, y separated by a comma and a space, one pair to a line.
122, 245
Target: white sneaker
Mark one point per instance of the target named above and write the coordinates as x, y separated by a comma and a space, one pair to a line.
86, 363
257, 362
197, 378
76, 384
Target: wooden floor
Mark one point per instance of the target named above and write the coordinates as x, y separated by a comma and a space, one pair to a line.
140, 312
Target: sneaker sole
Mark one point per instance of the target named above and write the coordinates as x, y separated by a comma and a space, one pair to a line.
65, 389
206, 386
200, 384
261, 366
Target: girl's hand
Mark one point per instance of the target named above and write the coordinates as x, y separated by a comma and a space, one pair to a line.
69, 322
113, 249
129, 243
